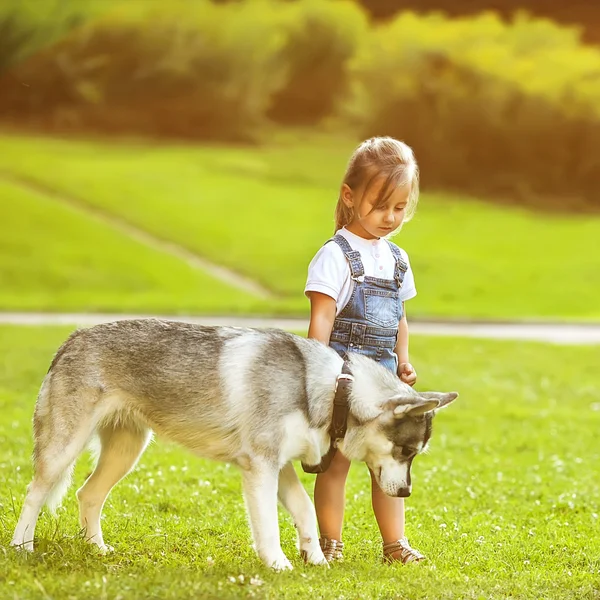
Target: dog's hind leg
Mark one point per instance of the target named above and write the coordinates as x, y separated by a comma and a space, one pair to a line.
37, 493
297, 502
61, 432
260, 493
121, 445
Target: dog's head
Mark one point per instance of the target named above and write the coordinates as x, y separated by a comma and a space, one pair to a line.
390, 424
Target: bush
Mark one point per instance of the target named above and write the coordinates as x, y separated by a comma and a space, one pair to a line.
195, 70
29, 25
487, 106
321, 38
13, 37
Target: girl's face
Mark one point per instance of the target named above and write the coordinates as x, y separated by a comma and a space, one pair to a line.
370, 222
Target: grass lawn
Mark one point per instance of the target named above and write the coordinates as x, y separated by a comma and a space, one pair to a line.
53, 257
505, 504
265, 211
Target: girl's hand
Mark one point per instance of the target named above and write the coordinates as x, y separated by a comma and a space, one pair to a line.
407, 373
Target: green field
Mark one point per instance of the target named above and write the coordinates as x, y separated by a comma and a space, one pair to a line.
54, 258
505, 504
264, 212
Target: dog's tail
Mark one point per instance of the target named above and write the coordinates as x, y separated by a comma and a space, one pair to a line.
57, 493
64, 420
62, 429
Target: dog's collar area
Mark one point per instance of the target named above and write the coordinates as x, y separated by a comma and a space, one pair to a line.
339, 420
343, 377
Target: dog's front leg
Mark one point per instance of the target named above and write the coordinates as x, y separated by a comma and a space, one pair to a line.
297, 502
260, 492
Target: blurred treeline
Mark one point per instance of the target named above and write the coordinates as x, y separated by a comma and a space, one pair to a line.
585, 13
490, 106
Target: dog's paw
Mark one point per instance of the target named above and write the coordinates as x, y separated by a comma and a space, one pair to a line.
315, 558
311, 551
22, 546
281, 564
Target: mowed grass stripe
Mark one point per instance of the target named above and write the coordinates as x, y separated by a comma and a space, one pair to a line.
505, 504
53, 257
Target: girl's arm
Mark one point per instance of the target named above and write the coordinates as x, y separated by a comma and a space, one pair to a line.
405, 369
322, 316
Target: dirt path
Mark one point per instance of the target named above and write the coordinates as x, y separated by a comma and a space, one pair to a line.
558, 333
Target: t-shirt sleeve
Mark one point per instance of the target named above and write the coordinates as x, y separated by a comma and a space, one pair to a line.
327, 271
408, 289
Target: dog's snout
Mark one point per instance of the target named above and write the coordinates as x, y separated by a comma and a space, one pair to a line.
403, 492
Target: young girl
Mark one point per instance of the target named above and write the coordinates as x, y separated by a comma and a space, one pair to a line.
357, 285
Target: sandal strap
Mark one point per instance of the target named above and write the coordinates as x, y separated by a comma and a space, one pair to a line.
332, 549
400, 551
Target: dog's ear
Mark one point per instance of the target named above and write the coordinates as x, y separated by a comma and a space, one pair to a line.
444, 398
414, 406
414, 410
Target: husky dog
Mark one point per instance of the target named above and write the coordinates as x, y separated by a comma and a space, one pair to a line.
256, 398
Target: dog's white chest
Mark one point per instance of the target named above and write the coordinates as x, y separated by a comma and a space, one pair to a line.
302, 442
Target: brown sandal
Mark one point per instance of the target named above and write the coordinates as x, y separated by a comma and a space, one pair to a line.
332, 549
400, 551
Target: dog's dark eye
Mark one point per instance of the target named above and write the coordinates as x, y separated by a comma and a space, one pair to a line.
408, 452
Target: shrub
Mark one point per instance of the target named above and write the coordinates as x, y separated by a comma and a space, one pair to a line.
29, 25
487, 106
321, 38
183, 69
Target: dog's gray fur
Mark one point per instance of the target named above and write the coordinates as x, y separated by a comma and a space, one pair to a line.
256, 398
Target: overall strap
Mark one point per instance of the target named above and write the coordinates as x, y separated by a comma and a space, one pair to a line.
357, 270
401, 266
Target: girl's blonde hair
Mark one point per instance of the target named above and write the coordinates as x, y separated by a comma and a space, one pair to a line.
374, 159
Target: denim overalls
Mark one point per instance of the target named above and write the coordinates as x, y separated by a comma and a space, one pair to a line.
368, 324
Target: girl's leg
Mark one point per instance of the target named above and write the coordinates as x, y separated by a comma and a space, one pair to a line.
389, 513
330, 490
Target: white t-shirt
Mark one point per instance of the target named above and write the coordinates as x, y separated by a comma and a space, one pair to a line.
329, 272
